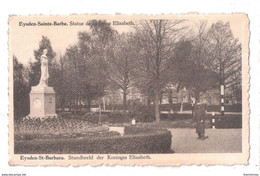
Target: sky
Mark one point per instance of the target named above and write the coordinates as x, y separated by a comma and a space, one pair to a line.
24, 40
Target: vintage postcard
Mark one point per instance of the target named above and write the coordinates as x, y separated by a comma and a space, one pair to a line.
129, 89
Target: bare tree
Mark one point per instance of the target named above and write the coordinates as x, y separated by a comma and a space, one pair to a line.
121, 65
223, 55
198, 78
101, 38
157, 39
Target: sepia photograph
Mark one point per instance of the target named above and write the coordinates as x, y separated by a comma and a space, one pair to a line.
129, 89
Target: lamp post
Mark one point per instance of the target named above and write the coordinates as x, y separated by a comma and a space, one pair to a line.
222, 100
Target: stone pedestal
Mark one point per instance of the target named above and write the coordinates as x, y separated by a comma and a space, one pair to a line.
42, 102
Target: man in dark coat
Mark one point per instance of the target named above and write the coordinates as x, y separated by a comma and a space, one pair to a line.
199, 118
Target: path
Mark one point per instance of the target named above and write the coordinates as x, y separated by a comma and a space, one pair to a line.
219, 141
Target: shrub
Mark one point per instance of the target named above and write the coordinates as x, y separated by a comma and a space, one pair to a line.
114, 107
228, 108
168, 107
112, 117
156, 141
142, 113
210, 108
65, 114
175, 116
93, 118
139, 130
117, 117
228, 121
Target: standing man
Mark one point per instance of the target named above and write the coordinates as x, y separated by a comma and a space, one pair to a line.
199, 118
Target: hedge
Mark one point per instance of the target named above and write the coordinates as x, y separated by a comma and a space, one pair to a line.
210, 108
175, 107
228, 108
132, 130
156, 141
229, 121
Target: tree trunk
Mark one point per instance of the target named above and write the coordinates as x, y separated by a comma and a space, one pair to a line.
75, 105
99, 114
197, 97
63, 103
104, 104
181, 97
63, 100
89, 105
170, 103
170, 97
157, 111
124, 102
148, 101
181, 109
70, 106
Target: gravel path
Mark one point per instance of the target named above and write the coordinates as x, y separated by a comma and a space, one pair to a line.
219, 141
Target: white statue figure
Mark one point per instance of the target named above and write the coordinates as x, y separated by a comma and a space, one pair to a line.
44, 69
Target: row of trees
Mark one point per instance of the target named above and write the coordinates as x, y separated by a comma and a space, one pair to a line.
157, 54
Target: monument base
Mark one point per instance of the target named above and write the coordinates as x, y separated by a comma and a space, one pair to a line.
42, 102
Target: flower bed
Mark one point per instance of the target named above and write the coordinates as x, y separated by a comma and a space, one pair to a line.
30, 129
135, 140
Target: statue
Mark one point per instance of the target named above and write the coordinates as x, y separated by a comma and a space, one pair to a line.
42, 97
44, 69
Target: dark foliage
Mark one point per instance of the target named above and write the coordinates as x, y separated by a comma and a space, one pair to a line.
228, 108
210, 108
142, 113
227, 122
175, 107
20, 90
